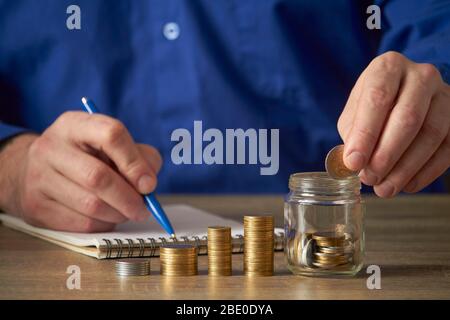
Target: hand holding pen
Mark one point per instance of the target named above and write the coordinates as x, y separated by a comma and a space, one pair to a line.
84, 173
150, 200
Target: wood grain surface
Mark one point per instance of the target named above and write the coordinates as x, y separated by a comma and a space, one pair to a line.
408, 237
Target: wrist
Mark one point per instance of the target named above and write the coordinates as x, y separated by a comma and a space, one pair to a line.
12, 159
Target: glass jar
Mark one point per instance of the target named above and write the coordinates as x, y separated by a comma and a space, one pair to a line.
324, 225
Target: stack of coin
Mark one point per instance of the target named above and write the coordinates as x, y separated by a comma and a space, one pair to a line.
258, 245
331, 249
133, 267
219, 251
178, 260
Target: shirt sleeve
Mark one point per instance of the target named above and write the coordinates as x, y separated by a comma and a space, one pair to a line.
7, 131
419, 29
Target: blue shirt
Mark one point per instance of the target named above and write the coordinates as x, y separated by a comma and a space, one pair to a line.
231, 64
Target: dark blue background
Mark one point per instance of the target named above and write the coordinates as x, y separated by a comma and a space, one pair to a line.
236, 64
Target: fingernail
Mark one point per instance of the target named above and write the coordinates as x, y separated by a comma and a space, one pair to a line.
411, 186
370, 178
386, 189
145, 184
355, 161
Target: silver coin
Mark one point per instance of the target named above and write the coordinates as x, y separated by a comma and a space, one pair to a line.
307, 256
305, 238
133, 267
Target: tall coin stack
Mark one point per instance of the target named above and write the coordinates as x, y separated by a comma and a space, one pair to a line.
258, 245
219, 251
178, 260
331, 250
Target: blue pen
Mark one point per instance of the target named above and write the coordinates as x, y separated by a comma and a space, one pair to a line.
150, 200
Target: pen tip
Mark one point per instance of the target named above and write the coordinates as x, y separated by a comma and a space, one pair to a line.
173, 235
84, 99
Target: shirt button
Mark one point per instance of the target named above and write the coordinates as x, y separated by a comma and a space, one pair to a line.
171, 31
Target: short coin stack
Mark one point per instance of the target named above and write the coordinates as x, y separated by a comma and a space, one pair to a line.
258, 245
133, 267
178, 260
219, 251
331, 250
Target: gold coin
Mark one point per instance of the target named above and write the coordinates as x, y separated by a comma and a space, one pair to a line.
328, 236
334, 164
334, 250
226, 256
326, 266
178, 260
219, 233
258, 218
329, 239
327, 255
328, 259
219, 251
258, 245
172, 252
330, 263
179, 274
218, 228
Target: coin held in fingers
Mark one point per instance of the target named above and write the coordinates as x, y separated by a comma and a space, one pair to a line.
334, 164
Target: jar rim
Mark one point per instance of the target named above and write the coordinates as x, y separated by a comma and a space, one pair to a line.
321, 181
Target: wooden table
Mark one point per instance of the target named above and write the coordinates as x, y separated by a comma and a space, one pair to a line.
408, 237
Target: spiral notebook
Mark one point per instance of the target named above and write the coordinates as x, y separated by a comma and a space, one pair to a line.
134, 239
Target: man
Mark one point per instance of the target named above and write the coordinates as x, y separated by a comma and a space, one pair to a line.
161, 65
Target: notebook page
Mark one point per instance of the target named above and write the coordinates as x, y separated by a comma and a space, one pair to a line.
186, 220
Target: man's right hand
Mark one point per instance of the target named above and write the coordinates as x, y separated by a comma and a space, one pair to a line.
83, 174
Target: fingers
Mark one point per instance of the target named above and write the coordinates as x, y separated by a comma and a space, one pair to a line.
152, 156
436, 166
74, 197
401, 128
53, 215
378, 94
398, 117
110, 136
429, 138
98, 178
347, 116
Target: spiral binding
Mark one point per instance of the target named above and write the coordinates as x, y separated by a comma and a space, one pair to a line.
119, 243
108, 248
130, 247
141, 247
151, 247
186, 239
